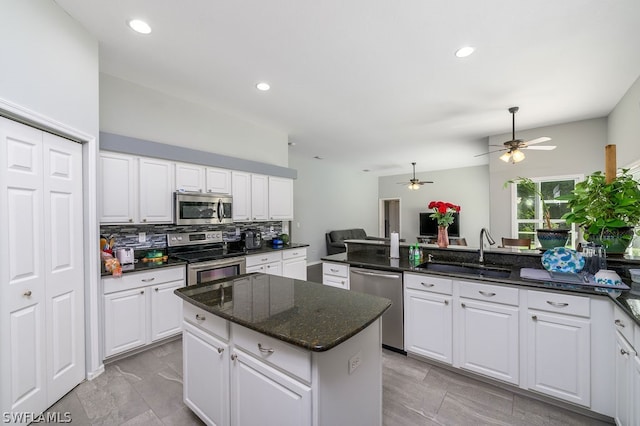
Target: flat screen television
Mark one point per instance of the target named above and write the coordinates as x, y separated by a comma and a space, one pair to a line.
429, 226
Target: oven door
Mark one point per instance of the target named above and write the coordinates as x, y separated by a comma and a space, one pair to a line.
202, 272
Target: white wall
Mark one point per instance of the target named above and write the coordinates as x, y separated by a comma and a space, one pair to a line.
49, 64
329, 197
624, 126
580, 150
467, 187
132, 110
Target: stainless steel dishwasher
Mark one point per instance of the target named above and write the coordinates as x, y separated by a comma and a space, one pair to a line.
389, 285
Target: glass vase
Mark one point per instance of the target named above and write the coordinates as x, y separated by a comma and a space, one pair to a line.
443, 236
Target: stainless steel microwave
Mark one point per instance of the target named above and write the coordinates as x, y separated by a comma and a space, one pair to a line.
202, 209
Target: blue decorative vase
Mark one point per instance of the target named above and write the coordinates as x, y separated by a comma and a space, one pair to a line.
615, 241
551, 238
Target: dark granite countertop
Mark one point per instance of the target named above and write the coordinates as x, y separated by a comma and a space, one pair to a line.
143, 267
266, 248
309, 315
628, 301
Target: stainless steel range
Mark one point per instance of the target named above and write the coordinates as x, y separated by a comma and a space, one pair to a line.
207, 256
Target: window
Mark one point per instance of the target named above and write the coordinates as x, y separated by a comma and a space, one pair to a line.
528, 212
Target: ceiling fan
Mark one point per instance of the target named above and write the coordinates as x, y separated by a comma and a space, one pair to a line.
414, 183
514, 146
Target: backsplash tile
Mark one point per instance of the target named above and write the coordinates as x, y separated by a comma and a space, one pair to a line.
126, 235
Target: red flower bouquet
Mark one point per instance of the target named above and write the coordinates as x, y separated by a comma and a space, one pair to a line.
443, 212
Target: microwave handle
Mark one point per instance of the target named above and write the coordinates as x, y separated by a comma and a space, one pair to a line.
219, 210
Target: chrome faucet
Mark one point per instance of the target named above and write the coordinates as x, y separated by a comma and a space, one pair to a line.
484, 232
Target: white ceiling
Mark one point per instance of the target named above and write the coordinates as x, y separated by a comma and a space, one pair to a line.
374, 84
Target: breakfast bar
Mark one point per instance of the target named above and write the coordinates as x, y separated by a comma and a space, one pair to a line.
261, 348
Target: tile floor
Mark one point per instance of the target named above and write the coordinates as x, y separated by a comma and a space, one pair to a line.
146, 389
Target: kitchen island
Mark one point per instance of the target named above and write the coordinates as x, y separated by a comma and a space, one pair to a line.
264, 349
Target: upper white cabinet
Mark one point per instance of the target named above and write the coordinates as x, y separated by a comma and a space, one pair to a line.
218, 180
259, 197
156, 190
190, 177
280, 198
117, 184
241, 192
127, 178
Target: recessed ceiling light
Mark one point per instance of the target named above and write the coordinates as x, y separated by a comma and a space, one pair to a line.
263, 86
317, 157
465, 51
139, 26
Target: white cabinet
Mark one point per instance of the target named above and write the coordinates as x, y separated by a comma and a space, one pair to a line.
140, 308
259, 197
125, 320
294, 263
218, 180
135, 189
627, 371
267, 263
117, 186
42, 348
258, 388
280, 198
206, 374
427, 302
155, 194
559, 346
241, 192
635, 391
488, 337
190, 177
335, 274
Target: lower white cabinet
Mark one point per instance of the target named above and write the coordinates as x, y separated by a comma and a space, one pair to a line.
237, 376
294, 263
635, 390
205, 374
335, 275
428, 317
627, 371
266, 263
258, 389
140, 308
559, 346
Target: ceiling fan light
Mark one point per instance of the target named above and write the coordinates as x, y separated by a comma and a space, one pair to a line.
506, 157
517, 156
413, 186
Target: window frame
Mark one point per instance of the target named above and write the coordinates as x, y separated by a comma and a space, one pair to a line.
573, 235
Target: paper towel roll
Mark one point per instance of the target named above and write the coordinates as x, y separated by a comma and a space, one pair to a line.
395, 245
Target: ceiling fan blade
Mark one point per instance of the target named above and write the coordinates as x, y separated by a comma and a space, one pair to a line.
490, 152
540, 148
537, 140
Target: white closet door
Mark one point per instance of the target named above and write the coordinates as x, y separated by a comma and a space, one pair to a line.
22, 275
64, 269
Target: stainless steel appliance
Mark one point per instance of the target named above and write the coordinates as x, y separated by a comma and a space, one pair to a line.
125, 256
207, 256
389, 285
252, 239
201, 209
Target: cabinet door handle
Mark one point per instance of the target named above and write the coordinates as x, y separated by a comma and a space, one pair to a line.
557, 304
157, 289
130, 220
220, 350
27, 293
148, 280
463, 305
427, 284
333, 270
234, 357
265, 350
619, 323
200, 317
446, 302
623, 352
144, 220
534, 317
264, 259
486, 293
141, 291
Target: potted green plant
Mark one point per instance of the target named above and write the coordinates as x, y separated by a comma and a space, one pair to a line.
606, 212
550, 235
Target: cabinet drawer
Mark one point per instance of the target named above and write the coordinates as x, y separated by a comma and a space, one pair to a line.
489, 293
141, 279
263, 258
429, 283
289, 358
206, 320
560, 303
290, 254
333, 281
624, 324
337, 269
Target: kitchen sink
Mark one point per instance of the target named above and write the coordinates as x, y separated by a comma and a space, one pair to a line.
475, 270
